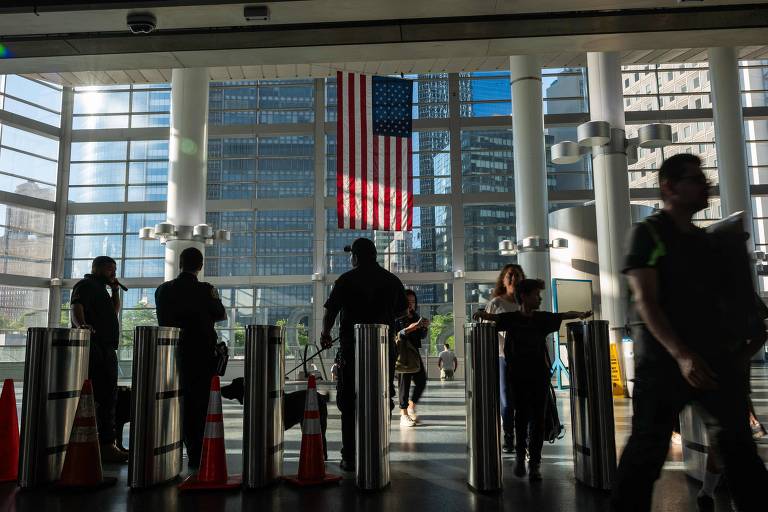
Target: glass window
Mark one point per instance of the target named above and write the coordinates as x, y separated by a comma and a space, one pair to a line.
26, 241
31, 98
261, 102
436, 305
20, 308
486, 161
484, 227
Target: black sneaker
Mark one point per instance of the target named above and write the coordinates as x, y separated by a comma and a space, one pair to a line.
705, 503
520, 467
348, 466
534, 471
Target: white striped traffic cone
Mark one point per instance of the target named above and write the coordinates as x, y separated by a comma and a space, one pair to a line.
311, 460
213, 463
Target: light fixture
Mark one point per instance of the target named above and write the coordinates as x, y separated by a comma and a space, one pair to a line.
655, 135
598, 136
593, 133
458, 274
530, 244
166, 231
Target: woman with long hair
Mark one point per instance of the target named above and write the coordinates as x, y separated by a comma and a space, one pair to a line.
503, 300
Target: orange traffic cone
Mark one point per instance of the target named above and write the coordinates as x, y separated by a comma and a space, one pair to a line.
9, 434
213, 463
311, 461
82, 463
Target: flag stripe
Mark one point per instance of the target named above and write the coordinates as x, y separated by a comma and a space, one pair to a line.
363, 154
374, 171
340, 150
352, 168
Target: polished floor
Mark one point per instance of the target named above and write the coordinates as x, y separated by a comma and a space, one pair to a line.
428, 472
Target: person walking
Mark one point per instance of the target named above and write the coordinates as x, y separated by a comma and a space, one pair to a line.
367, 294
447, 362
504, 300
681, 351
95, 309
195, 307
411, 329
528, 374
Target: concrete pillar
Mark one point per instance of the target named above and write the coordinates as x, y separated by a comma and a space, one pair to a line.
187, 155
611, 181
531, 208
729, 135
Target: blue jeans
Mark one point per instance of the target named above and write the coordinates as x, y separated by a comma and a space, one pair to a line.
506, 405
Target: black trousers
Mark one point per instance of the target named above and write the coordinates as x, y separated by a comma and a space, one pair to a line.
196, 387
346, 398
657, 402
506, 405
529, 394
419, 380
102, 371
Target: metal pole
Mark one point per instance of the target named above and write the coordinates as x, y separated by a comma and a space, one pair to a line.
264, 397
156, 440
592, 425
484, 471
695, 439
372, 414
55, 368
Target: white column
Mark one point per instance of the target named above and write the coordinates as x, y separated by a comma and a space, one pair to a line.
531, 210
729, 135
457, 222
611, 180
187, 154
319, 267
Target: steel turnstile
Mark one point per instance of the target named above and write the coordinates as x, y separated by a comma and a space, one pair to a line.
156, 435
695, 440
55, 368
592, 424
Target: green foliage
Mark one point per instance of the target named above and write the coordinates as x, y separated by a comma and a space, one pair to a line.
143, 314
439, 329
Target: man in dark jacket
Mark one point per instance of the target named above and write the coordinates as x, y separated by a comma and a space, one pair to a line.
95, 309
367, 294
195, 307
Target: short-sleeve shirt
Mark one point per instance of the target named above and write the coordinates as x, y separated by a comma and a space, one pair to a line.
99, 311
526, 340
685, 275
447, 358
367, 294
501, 305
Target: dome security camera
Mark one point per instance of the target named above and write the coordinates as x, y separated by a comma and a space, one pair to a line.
141, 23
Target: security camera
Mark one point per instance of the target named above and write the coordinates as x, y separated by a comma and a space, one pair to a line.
256, 13
141, 23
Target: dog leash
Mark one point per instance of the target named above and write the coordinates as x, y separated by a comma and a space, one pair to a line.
308, 359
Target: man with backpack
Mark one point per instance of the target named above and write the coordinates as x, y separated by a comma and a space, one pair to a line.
682, 349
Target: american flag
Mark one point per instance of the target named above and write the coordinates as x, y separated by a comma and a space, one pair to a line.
374, 174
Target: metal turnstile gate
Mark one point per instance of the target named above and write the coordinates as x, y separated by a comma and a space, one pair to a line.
156, 436
695, 439
481, 363
55, 368
592, 425
372, 414
264, 402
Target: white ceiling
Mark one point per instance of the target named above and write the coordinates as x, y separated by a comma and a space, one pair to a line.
80, 60
97, 19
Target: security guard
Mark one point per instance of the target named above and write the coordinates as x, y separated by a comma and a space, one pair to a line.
367, 294
95, 309
195, 307
682, 352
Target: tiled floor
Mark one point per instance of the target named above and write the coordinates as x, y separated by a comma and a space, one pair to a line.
428, 466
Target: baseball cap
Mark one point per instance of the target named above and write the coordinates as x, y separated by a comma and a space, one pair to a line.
361, 247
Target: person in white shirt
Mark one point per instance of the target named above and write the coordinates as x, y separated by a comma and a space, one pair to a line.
447, 362
504, 301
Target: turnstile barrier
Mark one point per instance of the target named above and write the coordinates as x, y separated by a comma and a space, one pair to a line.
592, 425
481, 363
55, 368
695, 440
156, 435
264, 402
372, 414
